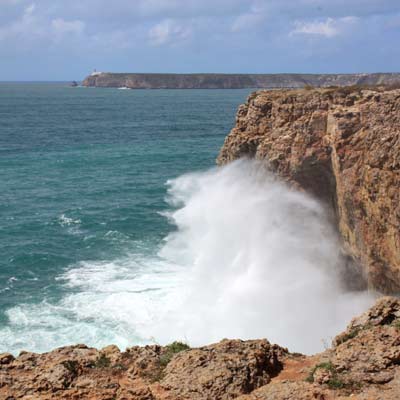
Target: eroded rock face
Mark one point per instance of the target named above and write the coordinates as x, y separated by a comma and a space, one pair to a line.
363, 364
342, 145
223, 371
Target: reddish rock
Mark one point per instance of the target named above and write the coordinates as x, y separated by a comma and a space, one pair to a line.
342, 145
224, 370
363, 364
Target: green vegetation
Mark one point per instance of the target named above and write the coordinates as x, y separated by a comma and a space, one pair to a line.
325, 365
171, 350
120, 367
334, 381
72, 366
102, 362
351, 335
396, 324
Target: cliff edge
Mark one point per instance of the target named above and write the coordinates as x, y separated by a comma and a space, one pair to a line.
342, 145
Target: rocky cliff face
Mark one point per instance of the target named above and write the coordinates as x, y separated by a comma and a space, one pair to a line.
234, 81
363, 364
343, 145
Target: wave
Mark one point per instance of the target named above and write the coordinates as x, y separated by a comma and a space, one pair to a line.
248, 258
67, 221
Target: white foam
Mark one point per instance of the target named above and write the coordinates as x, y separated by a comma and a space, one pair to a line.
67, 221
263, 260
249, 258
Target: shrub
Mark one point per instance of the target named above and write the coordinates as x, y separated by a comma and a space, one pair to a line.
72, 366
351, 335
334, 382
102, 362
171, 350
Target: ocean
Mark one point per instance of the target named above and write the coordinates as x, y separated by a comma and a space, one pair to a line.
83, 177
116, 227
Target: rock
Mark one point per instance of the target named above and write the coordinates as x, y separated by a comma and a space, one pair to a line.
223, 371
369, 350
6, 358
59, 377
363, 364
386, 311
289, 391
343, 146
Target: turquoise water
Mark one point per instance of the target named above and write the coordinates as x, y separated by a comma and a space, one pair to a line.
83, 177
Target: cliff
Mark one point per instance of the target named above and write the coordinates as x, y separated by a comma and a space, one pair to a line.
343, 145
363, 363
234, 81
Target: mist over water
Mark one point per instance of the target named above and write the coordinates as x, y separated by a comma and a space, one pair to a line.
262, 260
248, 258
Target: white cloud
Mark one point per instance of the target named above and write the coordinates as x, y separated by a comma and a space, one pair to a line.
329, 28
247, 22
62, 27
30, 9
31, 26
26, 26
168, 32
256, 16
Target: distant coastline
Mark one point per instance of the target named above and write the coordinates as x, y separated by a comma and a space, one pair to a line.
234, 81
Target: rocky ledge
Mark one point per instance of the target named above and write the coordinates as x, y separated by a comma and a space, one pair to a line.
342, 145
363, 363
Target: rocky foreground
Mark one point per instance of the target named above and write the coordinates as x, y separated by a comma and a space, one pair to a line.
362, 364
234, 81
342, 145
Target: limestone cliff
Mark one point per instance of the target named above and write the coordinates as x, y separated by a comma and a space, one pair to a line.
234, 81
343, 145
362, 364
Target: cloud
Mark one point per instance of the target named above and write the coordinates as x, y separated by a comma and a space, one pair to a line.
60, 26
247, 21
168, 32
30, 9
329, 28
26, 26
32, 27
208, 35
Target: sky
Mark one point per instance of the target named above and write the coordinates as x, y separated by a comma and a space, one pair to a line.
67, 39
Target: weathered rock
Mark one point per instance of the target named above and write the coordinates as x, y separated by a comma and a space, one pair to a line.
363, 364
6, 358
369, 349
223, 371
342, 145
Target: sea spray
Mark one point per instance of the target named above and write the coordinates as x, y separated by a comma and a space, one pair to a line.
248, 257
262, 260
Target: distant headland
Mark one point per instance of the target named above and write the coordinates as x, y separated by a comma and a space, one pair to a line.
234, 81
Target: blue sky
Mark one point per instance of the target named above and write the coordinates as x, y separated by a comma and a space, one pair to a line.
66, 39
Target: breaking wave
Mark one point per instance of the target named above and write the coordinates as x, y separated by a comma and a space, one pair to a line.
249, 258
